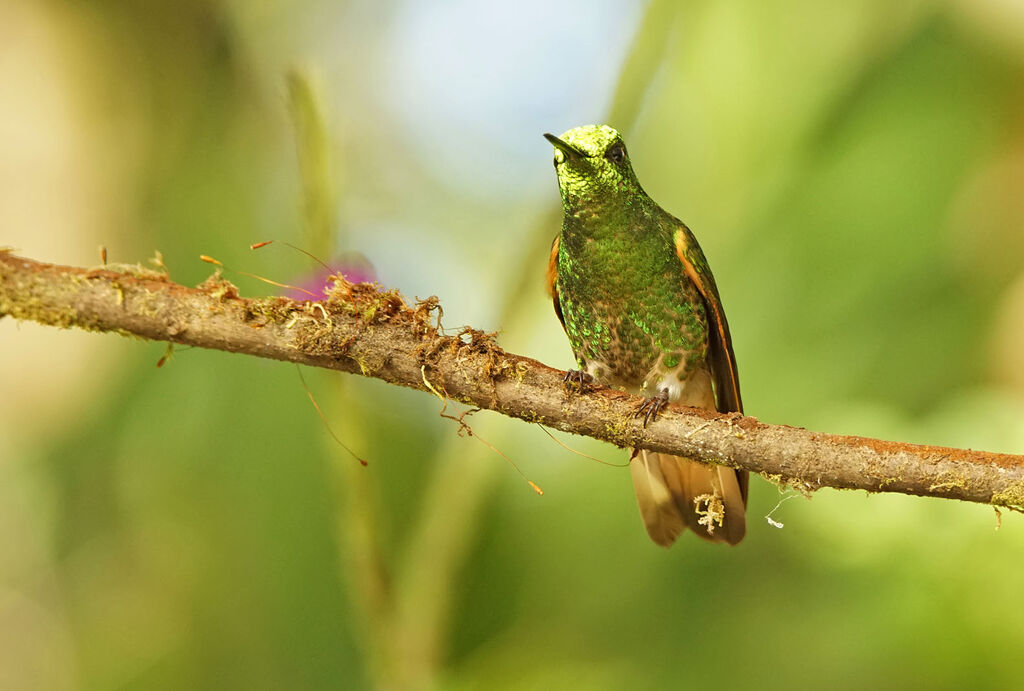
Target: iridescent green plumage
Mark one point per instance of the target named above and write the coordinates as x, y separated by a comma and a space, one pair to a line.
642, 312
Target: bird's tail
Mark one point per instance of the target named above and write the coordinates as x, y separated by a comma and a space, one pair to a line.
676, 493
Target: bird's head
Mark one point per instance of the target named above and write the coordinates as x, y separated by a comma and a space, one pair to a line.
592, 164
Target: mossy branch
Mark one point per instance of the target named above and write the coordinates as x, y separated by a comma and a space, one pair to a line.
361, 329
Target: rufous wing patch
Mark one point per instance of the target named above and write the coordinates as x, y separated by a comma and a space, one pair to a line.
723, 360
552, 279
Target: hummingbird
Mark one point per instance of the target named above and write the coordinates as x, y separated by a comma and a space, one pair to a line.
637, 300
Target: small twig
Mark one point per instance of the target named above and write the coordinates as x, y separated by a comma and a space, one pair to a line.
580, 453
323, 418
464, 427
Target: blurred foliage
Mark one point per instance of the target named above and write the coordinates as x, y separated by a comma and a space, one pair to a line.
852, 170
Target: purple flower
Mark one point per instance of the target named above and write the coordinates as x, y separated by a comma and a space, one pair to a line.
353, 266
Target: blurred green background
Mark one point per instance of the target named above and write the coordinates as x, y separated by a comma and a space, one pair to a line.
854, 171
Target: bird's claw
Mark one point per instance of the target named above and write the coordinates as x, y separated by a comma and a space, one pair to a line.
577, 378
650, 408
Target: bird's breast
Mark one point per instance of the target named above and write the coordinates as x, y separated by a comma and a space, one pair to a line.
630, 311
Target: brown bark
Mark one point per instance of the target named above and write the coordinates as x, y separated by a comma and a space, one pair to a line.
363, 330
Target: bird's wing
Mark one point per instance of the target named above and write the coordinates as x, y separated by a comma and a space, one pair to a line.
720, 354
552, 277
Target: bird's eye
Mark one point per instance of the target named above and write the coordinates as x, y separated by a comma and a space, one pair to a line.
616, 154
559, 157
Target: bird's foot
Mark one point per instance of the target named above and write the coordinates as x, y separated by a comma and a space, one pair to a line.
650, 408
577, 379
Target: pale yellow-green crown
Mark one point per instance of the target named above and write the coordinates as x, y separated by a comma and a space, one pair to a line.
592, 140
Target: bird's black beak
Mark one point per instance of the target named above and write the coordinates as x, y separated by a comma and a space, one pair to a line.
570, 151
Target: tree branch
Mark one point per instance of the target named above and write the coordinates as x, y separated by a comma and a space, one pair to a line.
361, 329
